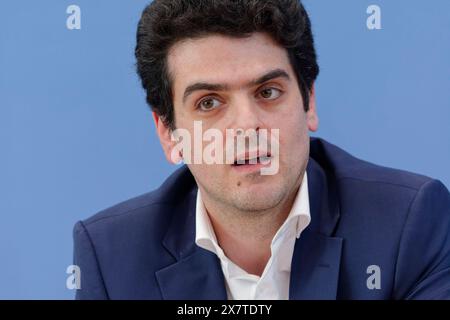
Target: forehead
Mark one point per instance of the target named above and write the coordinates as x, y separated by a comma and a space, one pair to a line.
222, 59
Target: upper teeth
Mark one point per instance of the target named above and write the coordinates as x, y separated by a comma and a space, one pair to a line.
262, 159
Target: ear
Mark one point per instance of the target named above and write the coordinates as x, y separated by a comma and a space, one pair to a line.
165, 138
311, 116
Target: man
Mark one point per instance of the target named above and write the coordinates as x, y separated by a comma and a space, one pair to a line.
325, 225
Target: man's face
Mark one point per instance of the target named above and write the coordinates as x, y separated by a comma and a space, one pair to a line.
245, 83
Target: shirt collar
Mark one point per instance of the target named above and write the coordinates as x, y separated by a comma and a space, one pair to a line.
300, 212
205, 236
300, 215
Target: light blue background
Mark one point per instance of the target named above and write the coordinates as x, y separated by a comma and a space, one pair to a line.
76, 135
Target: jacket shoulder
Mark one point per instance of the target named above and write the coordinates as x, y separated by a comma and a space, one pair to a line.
150, 205
127, 240
345, 166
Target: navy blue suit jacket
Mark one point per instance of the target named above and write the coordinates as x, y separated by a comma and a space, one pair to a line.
362, 215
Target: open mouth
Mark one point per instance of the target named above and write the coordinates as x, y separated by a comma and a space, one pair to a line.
253, 161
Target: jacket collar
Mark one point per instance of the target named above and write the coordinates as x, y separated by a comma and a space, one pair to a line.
197, 273
317, 254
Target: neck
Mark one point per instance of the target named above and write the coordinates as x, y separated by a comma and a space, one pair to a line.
246, 237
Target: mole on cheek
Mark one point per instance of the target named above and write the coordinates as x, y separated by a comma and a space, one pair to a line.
239, 184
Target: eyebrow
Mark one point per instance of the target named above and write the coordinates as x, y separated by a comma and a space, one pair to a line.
277, 73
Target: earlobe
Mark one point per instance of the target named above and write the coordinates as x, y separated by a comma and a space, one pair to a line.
313, 123
312, 117
165, 138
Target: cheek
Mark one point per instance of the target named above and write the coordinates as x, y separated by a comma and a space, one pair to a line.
200, 173
294, 137
208, 171
211, 177
291, 113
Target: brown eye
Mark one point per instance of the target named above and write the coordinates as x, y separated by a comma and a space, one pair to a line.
208, 104
270, 93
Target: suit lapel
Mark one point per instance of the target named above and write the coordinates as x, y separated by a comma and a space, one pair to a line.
197, 274
317, 255
315, 268
198, 277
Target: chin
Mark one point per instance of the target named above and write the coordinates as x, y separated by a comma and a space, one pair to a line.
257, 199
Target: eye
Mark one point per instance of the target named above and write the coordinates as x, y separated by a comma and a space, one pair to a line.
208, 104
270, 93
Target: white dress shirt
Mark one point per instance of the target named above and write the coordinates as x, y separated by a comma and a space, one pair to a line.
274, 281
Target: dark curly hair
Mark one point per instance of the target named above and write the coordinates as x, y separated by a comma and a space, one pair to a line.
164, 22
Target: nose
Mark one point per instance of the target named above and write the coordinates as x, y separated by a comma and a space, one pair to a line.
245, 114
